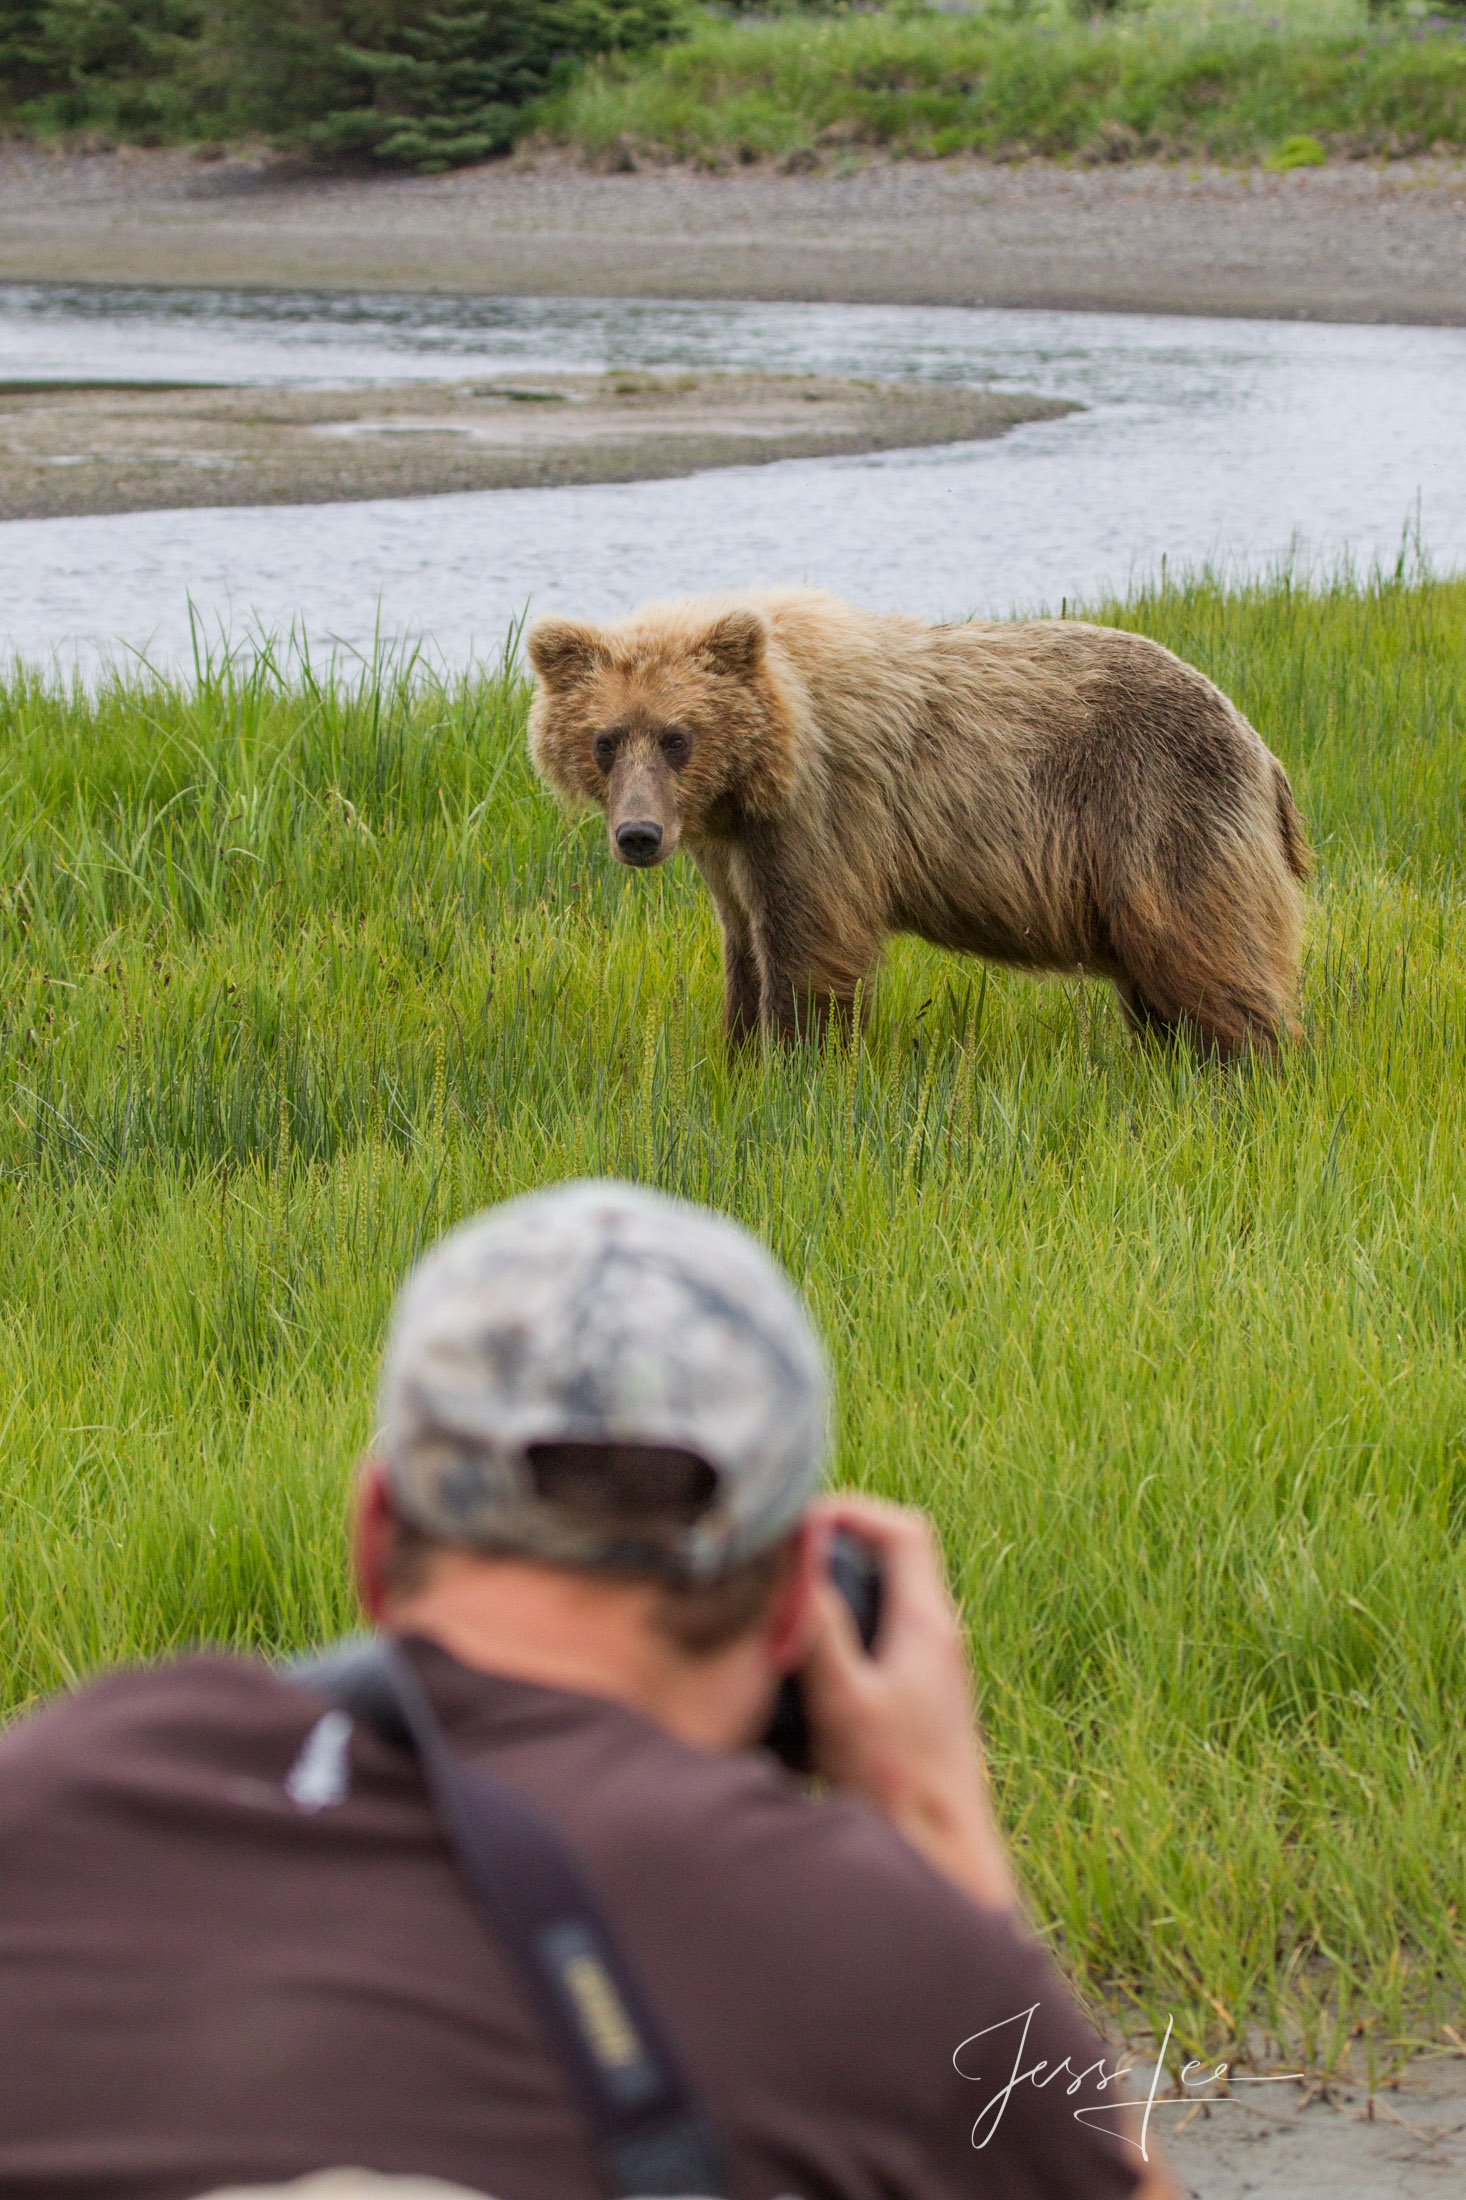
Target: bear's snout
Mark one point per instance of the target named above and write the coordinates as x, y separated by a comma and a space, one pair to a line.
639, 840
643, 816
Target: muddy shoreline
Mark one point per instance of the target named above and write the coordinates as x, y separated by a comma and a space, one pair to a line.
69, 449
1347, 242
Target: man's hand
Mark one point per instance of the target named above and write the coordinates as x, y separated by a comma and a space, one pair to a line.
898, 1727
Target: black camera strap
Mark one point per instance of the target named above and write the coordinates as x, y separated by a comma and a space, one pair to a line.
650, 2134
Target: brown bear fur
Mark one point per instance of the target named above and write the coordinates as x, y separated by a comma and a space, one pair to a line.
1051, 795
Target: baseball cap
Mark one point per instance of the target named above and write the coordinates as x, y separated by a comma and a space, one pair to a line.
599, 1312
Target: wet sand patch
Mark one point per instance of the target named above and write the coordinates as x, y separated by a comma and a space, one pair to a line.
74, 448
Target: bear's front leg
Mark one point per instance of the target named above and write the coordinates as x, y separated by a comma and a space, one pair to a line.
792, 1009
741, 988
741, 982
812, 959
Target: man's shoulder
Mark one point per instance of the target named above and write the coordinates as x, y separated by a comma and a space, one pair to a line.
207, 1703
197, 1682
735, 1828
798, 1938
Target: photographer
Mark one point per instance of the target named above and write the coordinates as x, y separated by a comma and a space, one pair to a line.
241, 1933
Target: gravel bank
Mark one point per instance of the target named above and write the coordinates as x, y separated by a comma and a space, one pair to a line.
1354, 242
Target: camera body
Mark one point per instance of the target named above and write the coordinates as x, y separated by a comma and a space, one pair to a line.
856, 1572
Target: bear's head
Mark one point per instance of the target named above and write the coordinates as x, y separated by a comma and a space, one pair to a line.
674, 726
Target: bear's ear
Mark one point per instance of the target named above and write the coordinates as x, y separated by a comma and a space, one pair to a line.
564, 651
736, 644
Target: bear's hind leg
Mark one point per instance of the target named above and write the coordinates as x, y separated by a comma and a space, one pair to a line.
1144, 1019
1174, 988
1216, 1030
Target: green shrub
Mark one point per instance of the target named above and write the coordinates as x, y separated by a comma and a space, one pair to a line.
1300, 151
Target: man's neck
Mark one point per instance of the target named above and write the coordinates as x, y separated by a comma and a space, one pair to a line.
595, 1637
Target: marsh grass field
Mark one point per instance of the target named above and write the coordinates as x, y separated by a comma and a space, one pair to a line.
1215, 79
300, 966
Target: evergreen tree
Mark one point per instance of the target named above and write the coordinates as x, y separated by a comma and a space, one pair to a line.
451, 88
426, 83
95, 60
22, 50
465, 71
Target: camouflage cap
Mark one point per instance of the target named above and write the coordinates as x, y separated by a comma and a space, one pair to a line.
598, 1312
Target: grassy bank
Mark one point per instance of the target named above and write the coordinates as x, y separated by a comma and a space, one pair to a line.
297, 971
1231, 86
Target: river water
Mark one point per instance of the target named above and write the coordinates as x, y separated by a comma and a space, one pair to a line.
1238, 442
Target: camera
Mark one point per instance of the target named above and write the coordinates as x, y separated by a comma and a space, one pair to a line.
856, 1573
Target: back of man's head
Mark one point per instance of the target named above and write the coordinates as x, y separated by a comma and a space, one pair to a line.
602, 1378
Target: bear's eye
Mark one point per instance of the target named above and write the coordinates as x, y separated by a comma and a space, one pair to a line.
603, 749
676, 747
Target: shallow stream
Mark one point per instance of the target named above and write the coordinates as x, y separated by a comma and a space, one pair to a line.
1234, 441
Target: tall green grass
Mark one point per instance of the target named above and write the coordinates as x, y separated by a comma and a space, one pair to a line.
300, 968
1231, 84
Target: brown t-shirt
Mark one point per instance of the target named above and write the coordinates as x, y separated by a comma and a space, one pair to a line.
232, 1951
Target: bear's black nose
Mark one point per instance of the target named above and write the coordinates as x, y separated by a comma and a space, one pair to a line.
638, 840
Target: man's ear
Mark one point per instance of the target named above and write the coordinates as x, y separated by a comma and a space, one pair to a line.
789, 1628
564, 651
736, 644
371, 1533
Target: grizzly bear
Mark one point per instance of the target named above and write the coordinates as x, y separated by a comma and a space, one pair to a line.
1052, 795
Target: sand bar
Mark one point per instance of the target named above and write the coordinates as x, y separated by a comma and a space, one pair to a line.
128, 447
